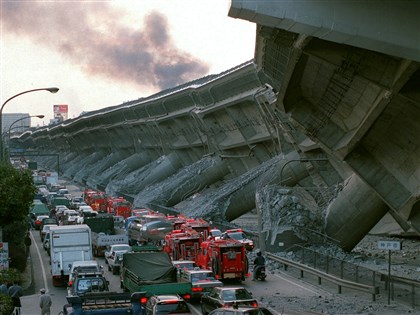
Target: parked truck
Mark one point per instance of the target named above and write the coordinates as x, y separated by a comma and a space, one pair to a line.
68, 243
106, 303
149, 269
103, 233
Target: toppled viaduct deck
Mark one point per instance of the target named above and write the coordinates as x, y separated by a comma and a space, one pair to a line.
319, 131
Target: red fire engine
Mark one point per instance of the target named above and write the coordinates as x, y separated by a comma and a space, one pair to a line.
227, 258
119, 206
199, 225
98, 201
182, 244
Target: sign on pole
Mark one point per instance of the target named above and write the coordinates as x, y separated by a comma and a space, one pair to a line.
4, 256
390, 246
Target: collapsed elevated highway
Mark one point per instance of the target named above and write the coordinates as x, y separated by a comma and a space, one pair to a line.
319, 133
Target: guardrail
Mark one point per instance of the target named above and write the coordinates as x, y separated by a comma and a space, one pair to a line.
371, 289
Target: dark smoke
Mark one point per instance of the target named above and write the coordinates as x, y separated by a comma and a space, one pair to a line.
90, 35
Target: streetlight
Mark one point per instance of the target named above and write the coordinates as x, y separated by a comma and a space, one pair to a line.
51, 90
23, 118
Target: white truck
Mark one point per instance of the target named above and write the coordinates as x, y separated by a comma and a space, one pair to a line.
103, 233
68, 243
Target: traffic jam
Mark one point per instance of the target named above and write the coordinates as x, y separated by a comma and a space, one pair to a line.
164, 262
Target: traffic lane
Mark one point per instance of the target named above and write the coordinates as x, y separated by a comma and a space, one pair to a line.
41, 278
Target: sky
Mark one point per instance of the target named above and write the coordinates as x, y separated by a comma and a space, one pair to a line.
102, 53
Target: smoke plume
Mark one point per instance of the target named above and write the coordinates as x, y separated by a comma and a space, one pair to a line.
92, 37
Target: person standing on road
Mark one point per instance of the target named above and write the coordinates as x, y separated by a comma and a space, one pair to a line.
15, 292
45, 302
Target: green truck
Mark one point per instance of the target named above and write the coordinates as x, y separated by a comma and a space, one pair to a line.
150, 270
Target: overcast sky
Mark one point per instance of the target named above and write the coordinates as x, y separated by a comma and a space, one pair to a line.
103, 53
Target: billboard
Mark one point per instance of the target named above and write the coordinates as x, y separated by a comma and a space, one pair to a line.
61, 111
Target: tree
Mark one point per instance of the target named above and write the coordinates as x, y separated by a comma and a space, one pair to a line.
17, 192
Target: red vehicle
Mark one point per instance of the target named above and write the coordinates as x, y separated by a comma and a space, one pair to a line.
226, 258
87, 193
98, 202
199, 225
182, 245
119, 206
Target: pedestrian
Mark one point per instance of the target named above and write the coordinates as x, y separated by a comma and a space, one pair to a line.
45, 302
15, 292
3, 288
259, 262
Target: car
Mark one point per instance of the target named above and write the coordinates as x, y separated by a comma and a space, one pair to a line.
184, 265
242, 311
83, 283
215, 233
84, 266
167, 304
38, 221
45, 230
75, 202
239, 235
115, 247
226, 296
203, 281
48, 220
115, 260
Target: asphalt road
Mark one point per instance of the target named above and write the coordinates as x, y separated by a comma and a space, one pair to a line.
41, 278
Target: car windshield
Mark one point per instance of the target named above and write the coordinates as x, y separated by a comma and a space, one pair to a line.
216, 232
172, 308
202, 276
237, 235
90, 285
239, 294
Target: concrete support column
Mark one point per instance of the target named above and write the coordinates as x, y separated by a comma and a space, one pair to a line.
353, 213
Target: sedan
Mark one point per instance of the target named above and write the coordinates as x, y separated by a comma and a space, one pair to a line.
38, 221
220, 297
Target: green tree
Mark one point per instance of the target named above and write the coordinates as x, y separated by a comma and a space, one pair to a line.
17, 192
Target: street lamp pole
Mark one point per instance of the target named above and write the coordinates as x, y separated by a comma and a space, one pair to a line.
51, 90
16, 121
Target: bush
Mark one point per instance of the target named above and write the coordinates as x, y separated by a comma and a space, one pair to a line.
6, 304
9, 276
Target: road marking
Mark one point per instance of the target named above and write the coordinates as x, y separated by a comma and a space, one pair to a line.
44, 276
298, 285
